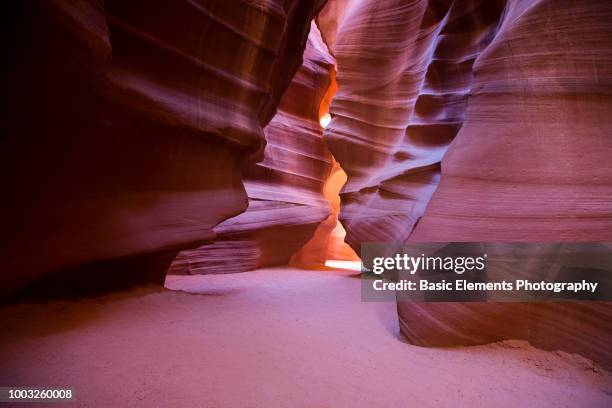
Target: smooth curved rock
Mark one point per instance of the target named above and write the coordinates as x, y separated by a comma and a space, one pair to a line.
575, 327
330, 18
532, 160
285, 190
128, 123
527, 86
531, 163
404, 72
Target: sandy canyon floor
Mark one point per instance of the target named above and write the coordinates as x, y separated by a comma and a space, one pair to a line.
270, 338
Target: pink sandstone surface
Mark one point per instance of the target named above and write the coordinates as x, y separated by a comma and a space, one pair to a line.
478, 121
129, 123
286, 189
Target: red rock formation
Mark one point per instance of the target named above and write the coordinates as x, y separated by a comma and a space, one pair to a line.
330, 18
328, 240
404, 70
533, 160
285, 190
337, 248
129, 122
575, 327
530, 163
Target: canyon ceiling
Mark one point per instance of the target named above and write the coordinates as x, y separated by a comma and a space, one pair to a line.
134, 135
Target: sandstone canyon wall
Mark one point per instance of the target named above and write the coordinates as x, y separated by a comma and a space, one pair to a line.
128, 123
521, 92
532, 161
285, 190
404, 72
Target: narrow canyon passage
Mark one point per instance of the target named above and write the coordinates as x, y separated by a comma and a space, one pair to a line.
271, 338
191, 186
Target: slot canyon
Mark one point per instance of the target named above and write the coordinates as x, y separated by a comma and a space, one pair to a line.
189, 186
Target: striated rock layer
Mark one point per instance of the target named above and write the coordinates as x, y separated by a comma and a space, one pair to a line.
577, 327
531, 163
404, 72
128, 123
528, 85
285, 190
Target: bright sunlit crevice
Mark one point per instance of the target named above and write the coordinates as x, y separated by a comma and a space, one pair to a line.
325, 119
349, 265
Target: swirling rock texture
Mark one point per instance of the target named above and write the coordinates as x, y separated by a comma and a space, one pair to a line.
330, 18
528, 85
532, 160
404, 72
286, 189
128, 124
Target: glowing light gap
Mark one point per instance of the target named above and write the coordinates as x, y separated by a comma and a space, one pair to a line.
325, 119
348, 265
